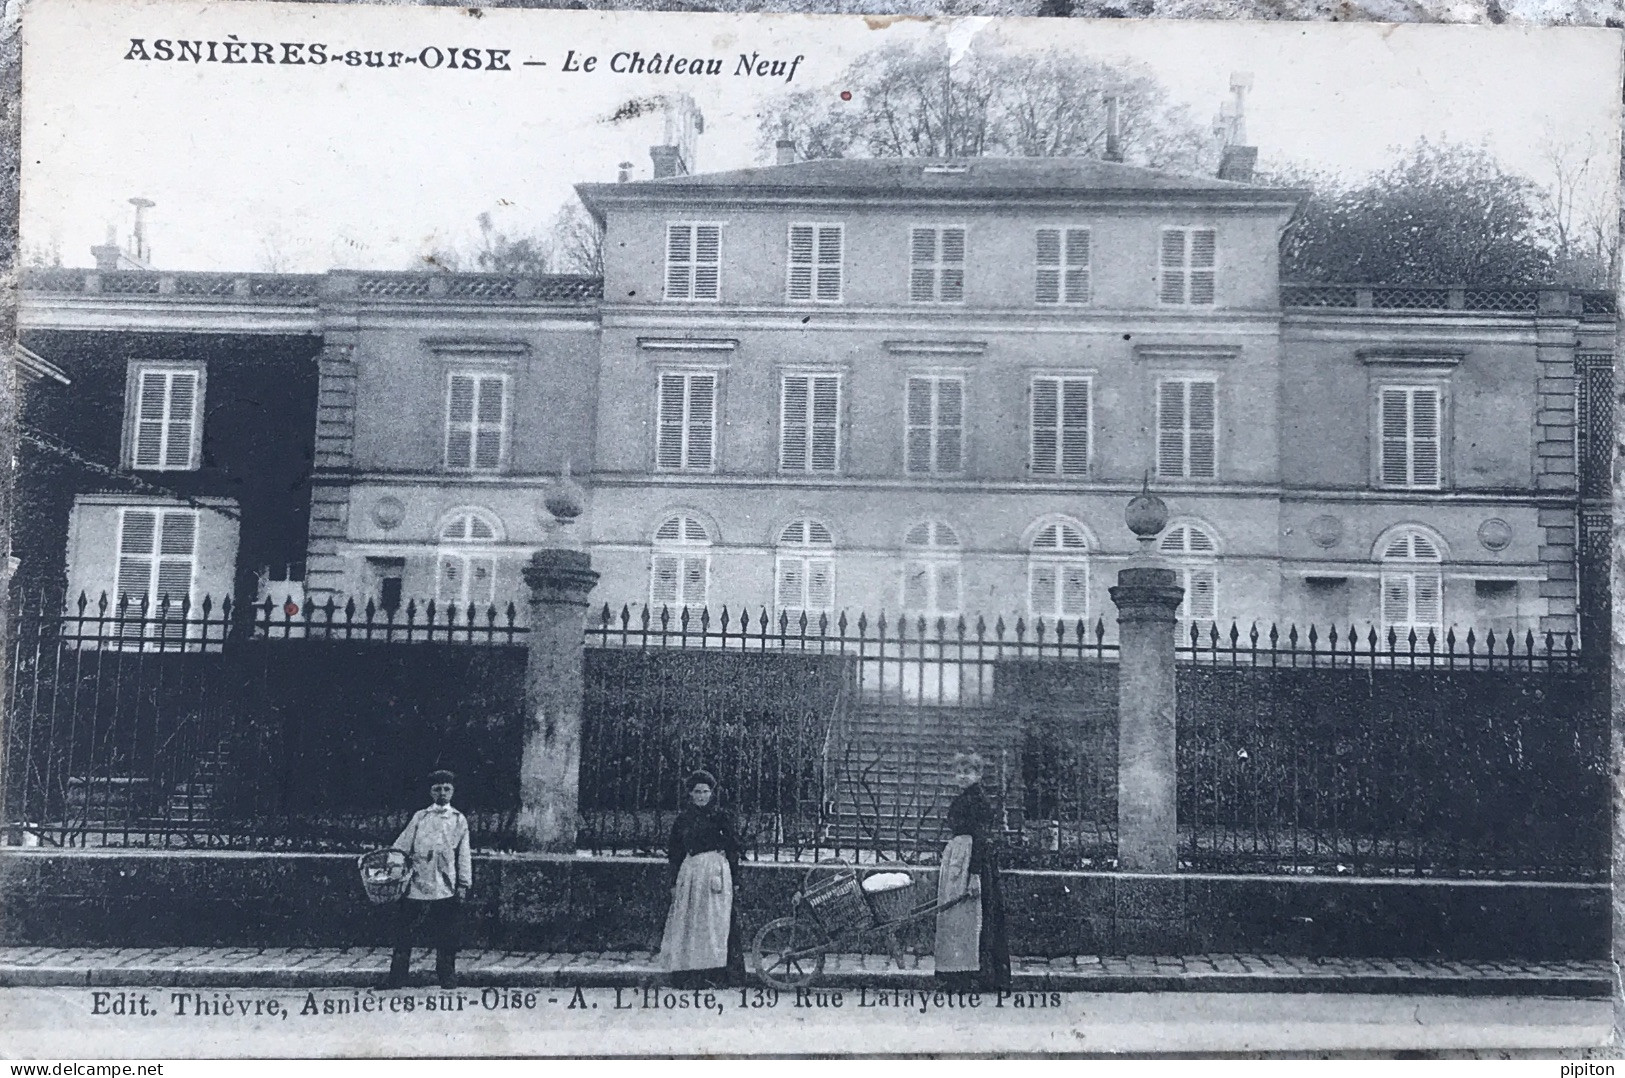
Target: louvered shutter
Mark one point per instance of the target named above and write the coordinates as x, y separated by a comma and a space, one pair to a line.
1046, 426
950, 425
830, 263
1042, 586
1204, 258
802, 241
1428, 597
1396, 599
138, 538
701, 421
919, 425
1173, 266
1395, 436
679, 262
1074, 426
794, 419
460, 403
450, 579
673, 394
182, 420
1201, 588
1203, 423
1047, 288
695, 582
663, 577
947, 584
482, 573
1077, 265
792, 583
151, 395
1074, 590
488, 434
922, 281
1424, 437
952, 284
1171, 429
826, 423
707, 261
820, 584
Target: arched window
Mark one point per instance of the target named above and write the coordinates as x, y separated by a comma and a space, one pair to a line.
465, 573
680, 568
804, 571
1194, 551
1058, 571
1412, 585
931, 583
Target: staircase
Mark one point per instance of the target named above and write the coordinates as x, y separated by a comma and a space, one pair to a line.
190, 807
890, 772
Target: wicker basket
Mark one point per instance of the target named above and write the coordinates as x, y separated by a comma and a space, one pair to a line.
385, 874
837, 902
893, 903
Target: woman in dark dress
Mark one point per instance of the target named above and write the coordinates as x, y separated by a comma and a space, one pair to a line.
972, 950
701, 942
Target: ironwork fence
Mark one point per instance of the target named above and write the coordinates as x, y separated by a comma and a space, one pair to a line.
310, 727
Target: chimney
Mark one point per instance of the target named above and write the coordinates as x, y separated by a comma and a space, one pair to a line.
625, 173
668, 162
1114, 137
141, 205
1236, 159
786, 150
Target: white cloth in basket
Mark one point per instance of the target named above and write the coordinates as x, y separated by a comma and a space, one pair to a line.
887, 881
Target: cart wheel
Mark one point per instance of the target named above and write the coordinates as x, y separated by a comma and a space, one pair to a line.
788, 953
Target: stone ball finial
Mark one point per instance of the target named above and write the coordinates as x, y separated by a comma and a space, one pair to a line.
1146, 514
564, 498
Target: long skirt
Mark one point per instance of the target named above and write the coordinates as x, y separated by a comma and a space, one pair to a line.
696, 934
959, 926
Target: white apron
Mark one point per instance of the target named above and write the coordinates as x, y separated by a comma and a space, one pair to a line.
959, 927
696, 934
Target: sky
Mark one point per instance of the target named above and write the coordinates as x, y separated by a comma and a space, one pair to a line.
305, 168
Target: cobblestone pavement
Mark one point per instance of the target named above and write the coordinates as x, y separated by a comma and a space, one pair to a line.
285, 967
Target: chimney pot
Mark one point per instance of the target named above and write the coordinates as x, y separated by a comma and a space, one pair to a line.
1114, 138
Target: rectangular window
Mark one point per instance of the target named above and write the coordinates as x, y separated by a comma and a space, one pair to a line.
1060, 426
164, 418
1412, 600
1189, 263
936, 425
693, 261
465, 579
157, 552
679, 580
931, 587
476, 422
1058, 589
810, 423
805, 584
937, 265
816, 263
1201, 603
1409, 436
1063, 266
686, 440
1187, 426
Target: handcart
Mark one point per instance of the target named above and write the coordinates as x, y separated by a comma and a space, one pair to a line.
836, 910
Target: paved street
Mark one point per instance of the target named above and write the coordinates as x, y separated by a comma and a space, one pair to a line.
284, 967
83, 1023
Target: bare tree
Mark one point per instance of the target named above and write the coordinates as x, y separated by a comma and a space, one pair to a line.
1581, 226
577, 241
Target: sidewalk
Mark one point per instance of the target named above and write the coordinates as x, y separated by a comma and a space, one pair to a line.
283, 967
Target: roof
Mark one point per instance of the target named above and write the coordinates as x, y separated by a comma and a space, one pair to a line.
977, 177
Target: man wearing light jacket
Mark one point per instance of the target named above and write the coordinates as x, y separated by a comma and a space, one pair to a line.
436, 841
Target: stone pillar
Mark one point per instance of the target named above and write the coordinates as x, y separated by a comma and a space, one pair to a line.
1147, 601
550, 757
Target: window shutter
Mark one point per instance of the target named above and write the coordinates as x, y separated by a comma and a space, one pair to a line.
1077, 265
1201, 587
830, 261
1171, 429
950, 423
488, 435
701, 420
922, 284
820, 584
179, 535
792, 583
1046, 426
1173, 265
919, 425
1424, 437
794, 409
1075, 426
1395, 436
679, 261
826, 423
152, 390
1204, 244
953, 266
916, 586
1042, 587
1429, 598
1203, 423
669, 455
182, 419
947, 580
1048, 286
138, 536
460, 421
707, 261
482, 574
1074, 590
695, 582
450, 589
800, 288
664, 575
1396, 598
